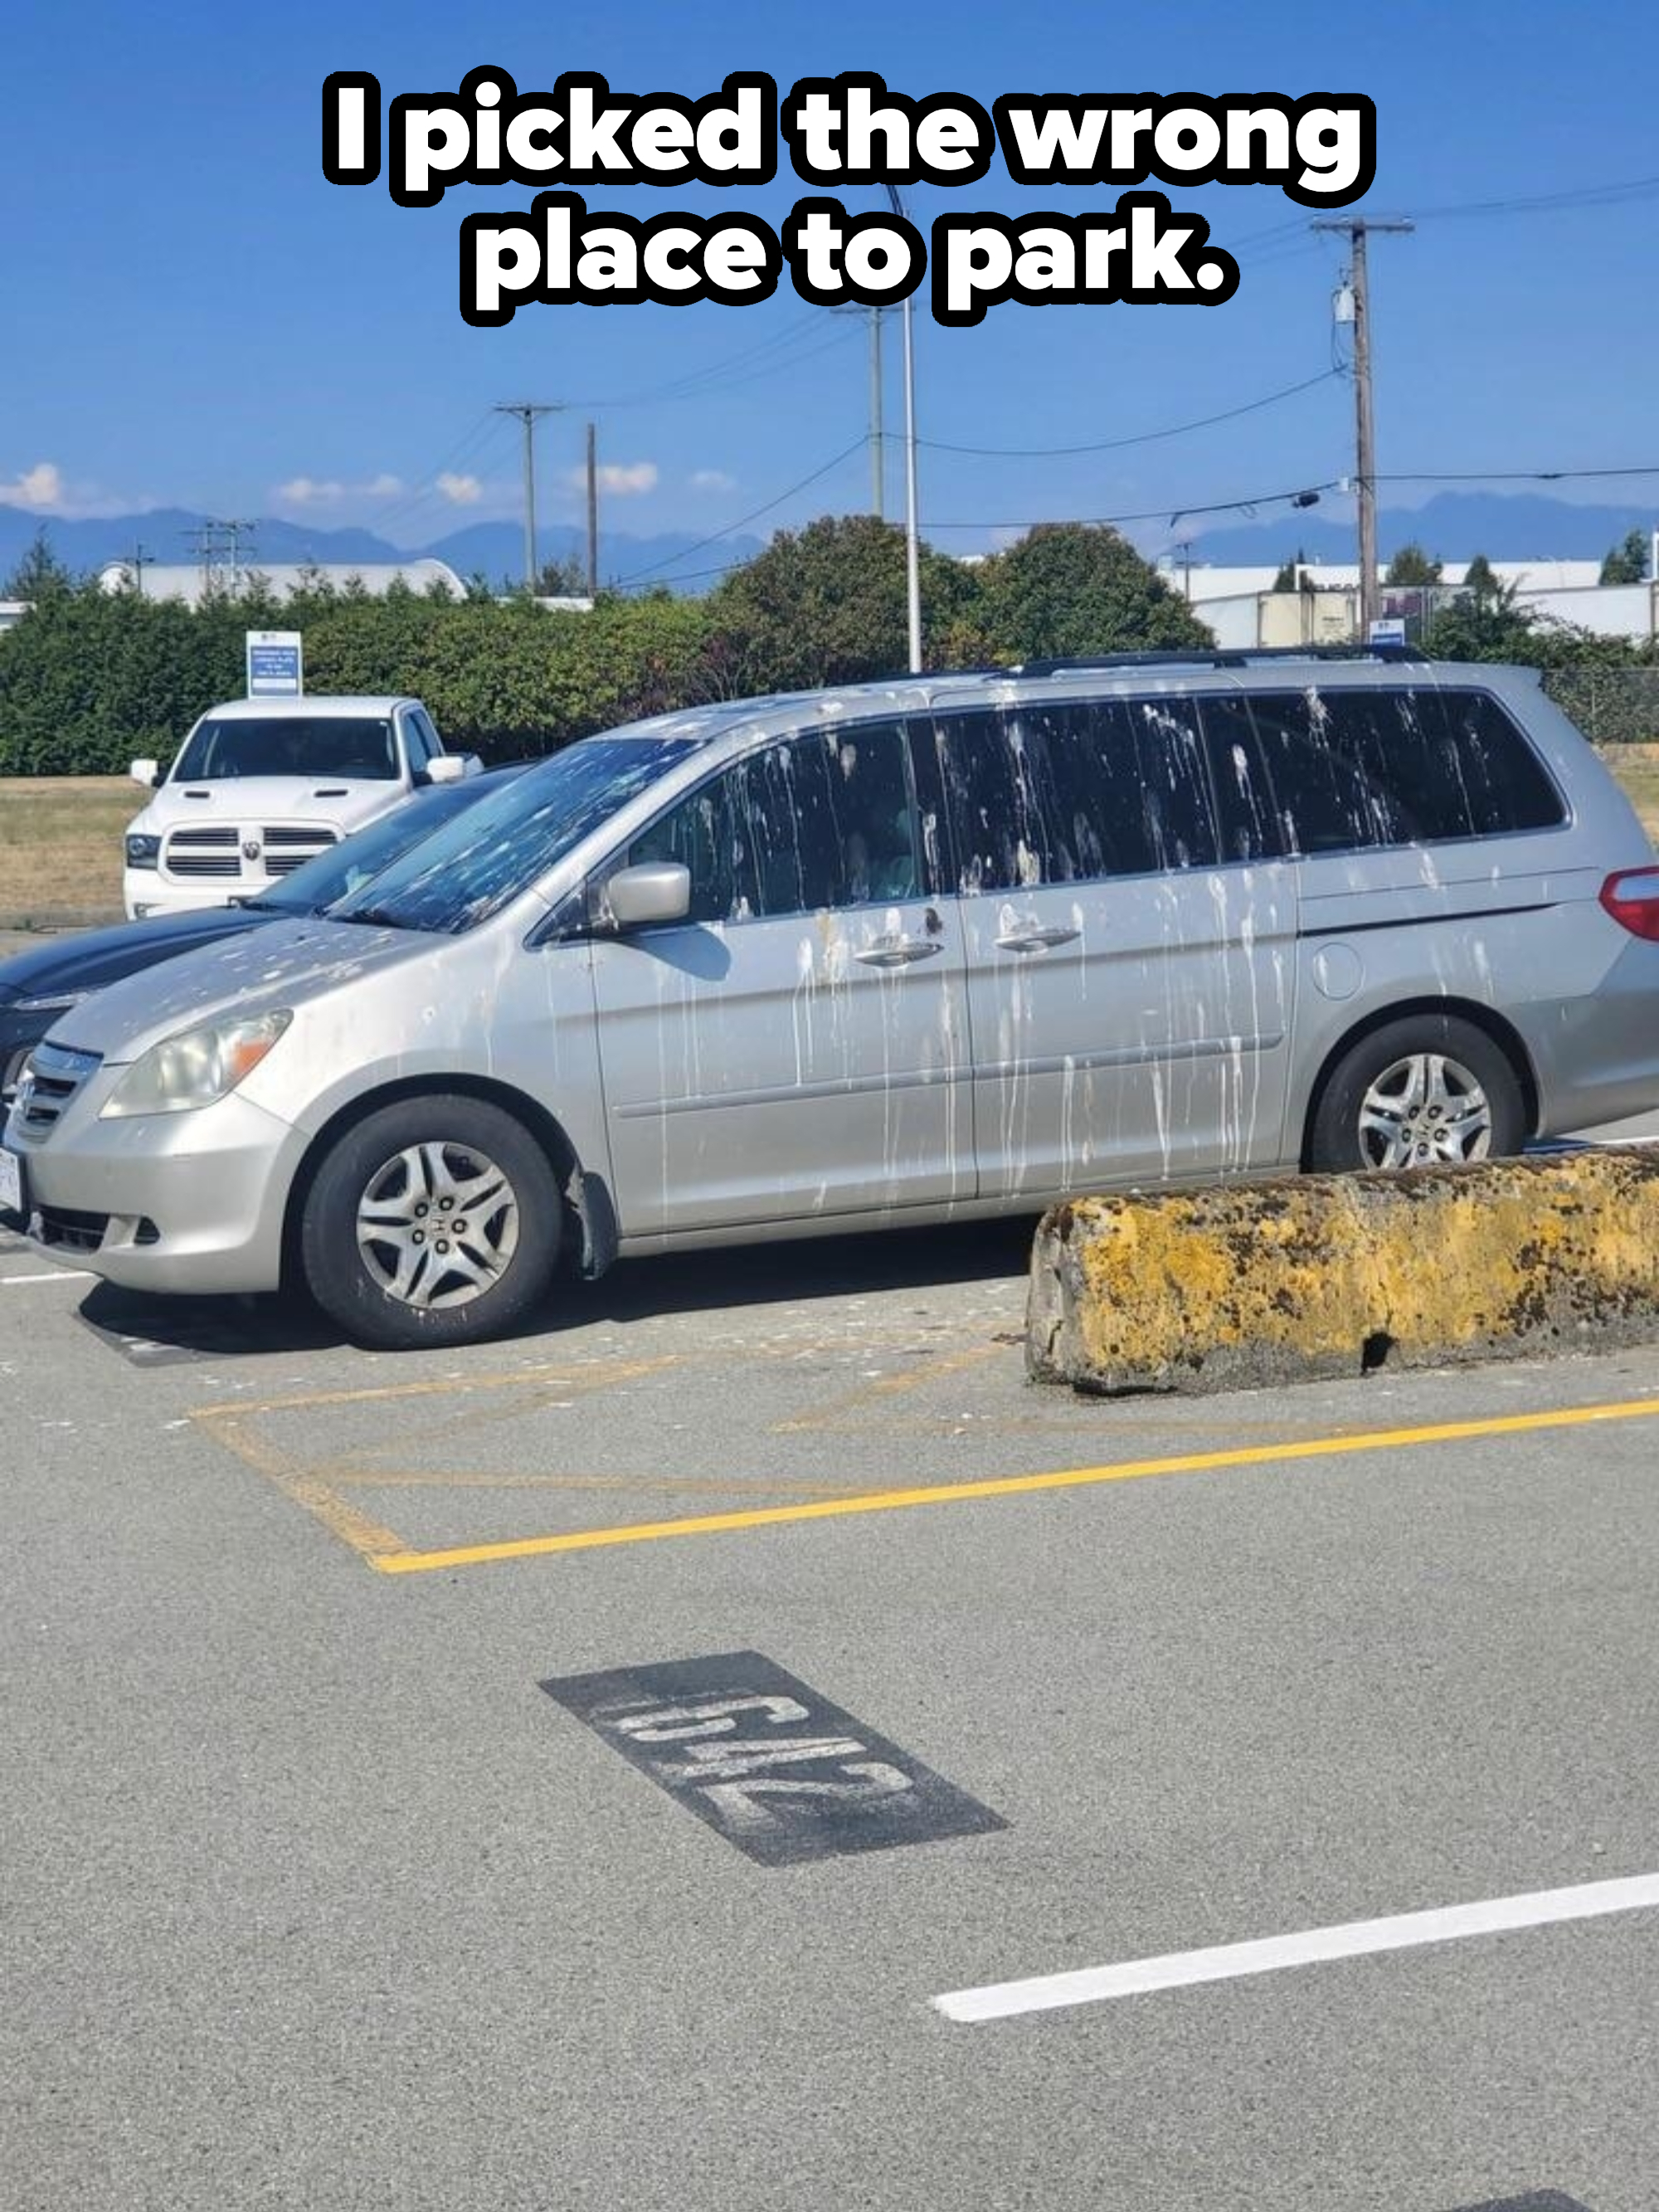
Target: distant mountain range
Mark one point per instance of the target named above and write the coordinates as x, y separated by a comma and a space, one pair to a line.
1452, 525
494, 549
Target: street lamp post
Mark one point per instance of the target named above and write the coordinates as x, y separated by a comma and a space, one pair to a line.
912, 528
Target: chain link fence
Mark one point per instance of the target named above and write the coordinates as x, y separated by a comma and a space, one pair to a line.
1611, 705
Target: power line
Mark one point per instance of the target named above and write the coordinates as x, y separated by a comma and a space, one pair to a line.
859, 445
1512, 475
470, 444
1145, 437
785, 350
1297, 496
1585, 196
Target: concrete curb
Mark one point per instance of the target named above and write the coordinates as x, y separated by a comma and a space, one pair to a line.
1317, 1277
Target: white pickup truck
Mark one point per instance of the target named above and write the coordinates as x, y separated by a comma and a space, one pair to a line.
260, 785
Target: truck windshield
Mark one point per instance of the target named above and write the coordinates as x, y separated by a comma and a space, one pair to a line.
356, 748
470, 868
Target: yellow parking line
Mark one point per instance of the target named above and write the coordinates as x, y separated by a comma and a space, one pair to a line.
1013, 1486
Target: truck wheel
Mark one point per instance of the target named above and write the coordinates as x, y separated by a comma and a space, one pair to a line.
435, 1221
1427, 1090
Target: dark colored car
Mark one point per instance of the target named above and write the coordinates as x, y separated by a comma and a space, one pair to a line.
37, 985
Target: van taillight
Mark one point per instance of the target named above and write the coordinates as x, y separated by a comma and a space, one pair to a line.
1632, 897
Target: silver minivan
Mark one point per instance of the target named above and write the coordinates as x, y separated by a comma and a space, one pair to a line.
899, 953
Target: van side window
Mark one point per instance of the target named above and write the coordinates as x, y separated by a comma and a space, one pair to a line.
1247, 822
1074, 793
823, 820
1358, 768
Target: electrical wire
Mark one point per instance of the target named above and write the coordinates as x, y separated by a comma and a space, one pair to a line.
859, 445
1511, 475
1585, 196
1297, 494
1114, 445
470, 445
782, 350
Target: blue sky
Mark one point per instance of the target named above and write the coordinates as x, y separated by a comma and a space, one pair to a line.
191, 315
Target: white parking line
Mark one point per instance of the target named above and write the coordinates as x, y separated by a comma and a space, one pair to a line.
52, 1275
1356, 1939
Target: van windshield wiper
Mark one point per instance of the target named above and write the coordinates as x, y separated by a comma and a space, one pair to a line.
373, 917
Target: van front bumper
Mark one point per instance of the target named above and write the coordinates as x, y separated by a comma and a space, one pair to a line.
191, 1202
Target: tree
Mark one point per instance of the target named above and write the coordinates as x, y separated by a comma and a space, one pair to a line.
827, 605
1480, 579
1080, 589
1482, 626
562, 580
1627, 563
1411, 565
40, 575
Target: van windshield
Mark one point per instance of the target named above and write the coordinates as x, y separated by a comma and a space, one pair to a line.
349, 747
470, 868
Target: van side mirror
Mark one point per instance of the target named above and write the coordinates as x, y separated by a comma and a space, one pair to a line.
146, 772
655, 891
445, 767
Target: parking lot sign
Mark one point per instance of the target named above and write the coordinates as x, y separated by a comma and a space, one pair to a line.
275, 667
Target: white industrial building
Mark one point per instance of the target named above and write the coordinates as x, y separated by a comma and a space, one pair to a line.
1241, 607
192, 582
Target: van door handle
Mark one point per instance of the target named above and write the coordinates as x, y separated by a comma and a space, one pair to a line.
1036, 940
898, 951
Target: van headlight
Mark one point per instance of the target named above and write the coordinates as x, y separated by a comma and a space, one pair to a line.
143, 852
194, 1068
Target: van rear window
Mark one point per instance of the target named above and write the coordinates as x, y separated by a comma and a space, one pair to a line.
1355, 768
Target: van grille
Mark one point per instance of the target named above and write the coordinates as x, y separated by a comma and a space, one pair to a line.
51, 1078
63, 1230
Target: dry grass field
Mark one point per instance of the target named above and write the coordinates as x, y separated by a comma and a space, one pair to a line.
60, 840
60, 849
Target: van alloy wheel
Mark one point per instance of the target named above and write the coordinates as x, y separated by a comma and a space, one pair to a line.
438, 1224
435, 1220
1425, 1089
1425, 1110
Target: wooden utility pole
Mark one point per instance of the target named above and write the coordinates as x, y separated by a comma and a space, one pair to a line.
1356, 230
593, 513
528, 411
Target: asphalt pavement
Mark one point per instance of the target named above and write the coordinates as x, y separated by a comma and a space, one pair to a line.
317, 1897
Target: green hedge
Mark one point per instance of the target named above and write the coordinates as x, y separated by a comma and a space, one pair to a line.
89, 681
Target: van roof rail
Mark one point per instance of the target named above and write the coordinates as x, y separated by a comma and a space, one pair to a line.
1228, 657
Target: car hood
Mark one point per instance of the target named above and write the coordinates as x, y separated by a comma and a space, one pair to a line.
257, 798
62, 967
283, 965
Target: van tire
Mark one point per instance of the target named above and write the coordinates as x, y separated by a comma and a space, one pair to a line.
1426, 1091
385, 1248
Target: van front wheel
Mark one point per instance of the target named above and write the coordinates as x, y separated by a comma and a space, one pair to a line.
1428, 1091
435, 1221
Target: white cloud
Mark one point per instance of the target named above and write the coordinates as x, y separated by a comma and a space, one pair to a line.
306, 491
45, 489
623, 480
460, 491
329, 491
41, 486
713, 480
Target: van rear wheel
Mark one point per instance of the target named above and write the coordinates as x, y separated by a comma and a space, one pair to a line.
435, 1221
1427, 1090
